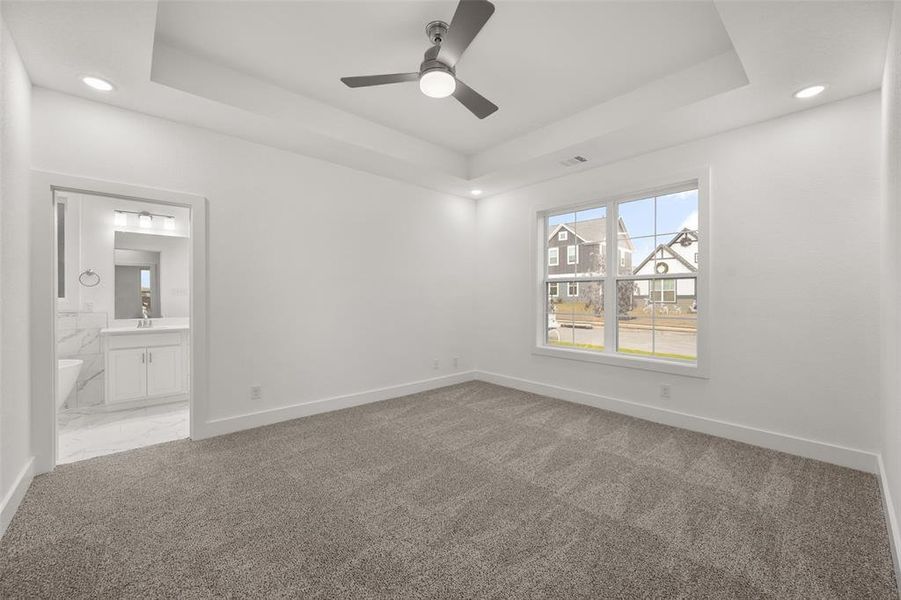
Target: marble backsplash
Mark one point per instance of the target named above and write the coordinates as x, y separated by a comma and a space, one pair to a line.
78, 336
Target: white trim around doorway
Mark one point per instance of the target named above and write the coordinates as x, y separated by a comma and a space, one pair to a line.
43, 341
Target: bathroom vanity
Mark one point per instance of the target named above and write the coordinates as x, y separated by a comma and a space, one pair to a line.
148, 364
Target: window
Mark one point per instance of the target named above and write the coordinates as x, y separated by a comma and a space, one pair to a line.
553, 257
652, 291
60, 249
563, 235
664, 291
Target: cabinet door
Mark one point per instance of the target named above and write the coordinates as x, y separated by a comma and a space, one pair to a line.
164, 370
128, 374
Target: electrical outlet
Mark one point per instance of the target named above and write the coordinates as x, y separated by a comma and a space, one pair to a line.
435, 363
456, 361
665, 391
256, 392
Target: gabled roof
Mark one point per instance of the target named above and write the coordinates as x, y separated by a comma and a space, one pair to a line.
592, 230
668, 248
664, 248
685, 231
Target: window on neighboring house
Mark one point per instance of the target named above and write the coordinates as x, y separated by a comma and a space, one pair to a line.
553, 257
563, 235
553, 290
653, 295
664, 291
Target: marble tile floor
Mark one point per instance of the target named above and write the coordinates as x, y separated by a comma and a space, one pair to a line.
85, 435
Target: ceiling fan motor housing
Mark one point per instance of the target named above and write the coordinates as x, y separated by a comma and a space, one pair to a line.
437, 31
430, 62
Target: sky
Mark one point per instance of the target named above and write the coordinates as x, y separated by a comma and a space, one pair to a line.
673, 212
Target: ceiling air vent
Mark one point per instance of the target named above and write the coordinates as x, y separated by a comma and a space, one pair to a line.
575, 160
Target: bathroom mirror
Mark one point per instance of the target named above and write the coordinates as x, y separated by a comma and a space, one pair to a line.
137, 284
152, 273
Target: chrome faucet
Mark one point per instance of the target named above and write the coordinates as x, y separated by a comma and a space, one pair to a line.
145, 322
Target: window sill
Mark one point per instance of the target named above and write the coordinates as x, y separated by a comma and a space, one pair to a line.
630, 362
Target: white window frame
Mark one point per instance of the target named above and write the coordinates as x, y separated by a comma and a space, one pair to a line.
563, 235
553, 285
574, 259
569, 289
555, 253
699, 179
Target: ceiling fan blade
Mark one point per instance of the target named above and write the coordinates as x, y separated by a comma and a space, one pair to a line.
474, 101
469, 18
367, 80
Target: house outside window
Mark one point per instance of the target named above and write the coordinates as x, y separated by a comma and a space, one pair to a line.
645, 310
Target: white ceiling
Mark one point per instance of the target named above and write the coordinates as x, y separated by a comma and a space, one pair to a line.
538, 61
602, 79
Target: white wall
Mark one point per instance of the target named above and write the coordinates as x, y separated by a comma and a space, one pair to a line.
794, 281
322, 280
890, 410
15, 267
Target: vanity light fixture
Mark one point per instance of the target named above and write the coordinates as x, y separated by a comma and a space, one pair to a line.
146, 219
101, 85
809, 92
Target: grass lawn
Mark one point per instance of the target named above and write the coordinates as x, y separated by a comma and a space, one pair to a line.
657, 354
575, 345
634, 351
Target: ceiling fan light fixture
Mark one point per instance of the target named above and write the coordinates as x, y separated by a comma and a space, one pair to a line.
437, 83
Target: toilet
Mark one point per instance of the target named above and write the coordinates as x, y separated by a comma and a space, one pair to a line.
67, 370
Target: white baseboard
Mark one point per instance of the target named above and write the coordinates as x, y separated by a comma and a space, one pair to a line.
10, 502
823, 451
268, 417
891, 520
817, 450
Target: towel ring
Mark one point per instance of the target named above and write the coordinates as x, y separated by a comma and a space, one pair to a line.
89, 275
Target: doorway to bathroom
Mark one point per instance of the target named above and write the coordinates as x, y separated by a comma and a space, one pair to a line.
122, 321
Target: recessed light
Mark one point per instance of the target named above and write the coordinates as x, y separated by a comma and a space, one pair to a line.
98, 84
810, 92
475, 192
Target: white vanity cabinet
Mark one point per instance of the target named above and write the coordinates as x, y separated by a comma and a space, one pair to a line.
145, 365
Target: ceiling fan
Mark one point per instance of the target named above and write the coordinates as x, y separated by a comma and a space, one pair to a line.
437, 74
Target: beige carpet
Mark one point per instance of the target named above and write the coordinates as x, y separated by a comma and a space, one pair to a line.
471, 491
